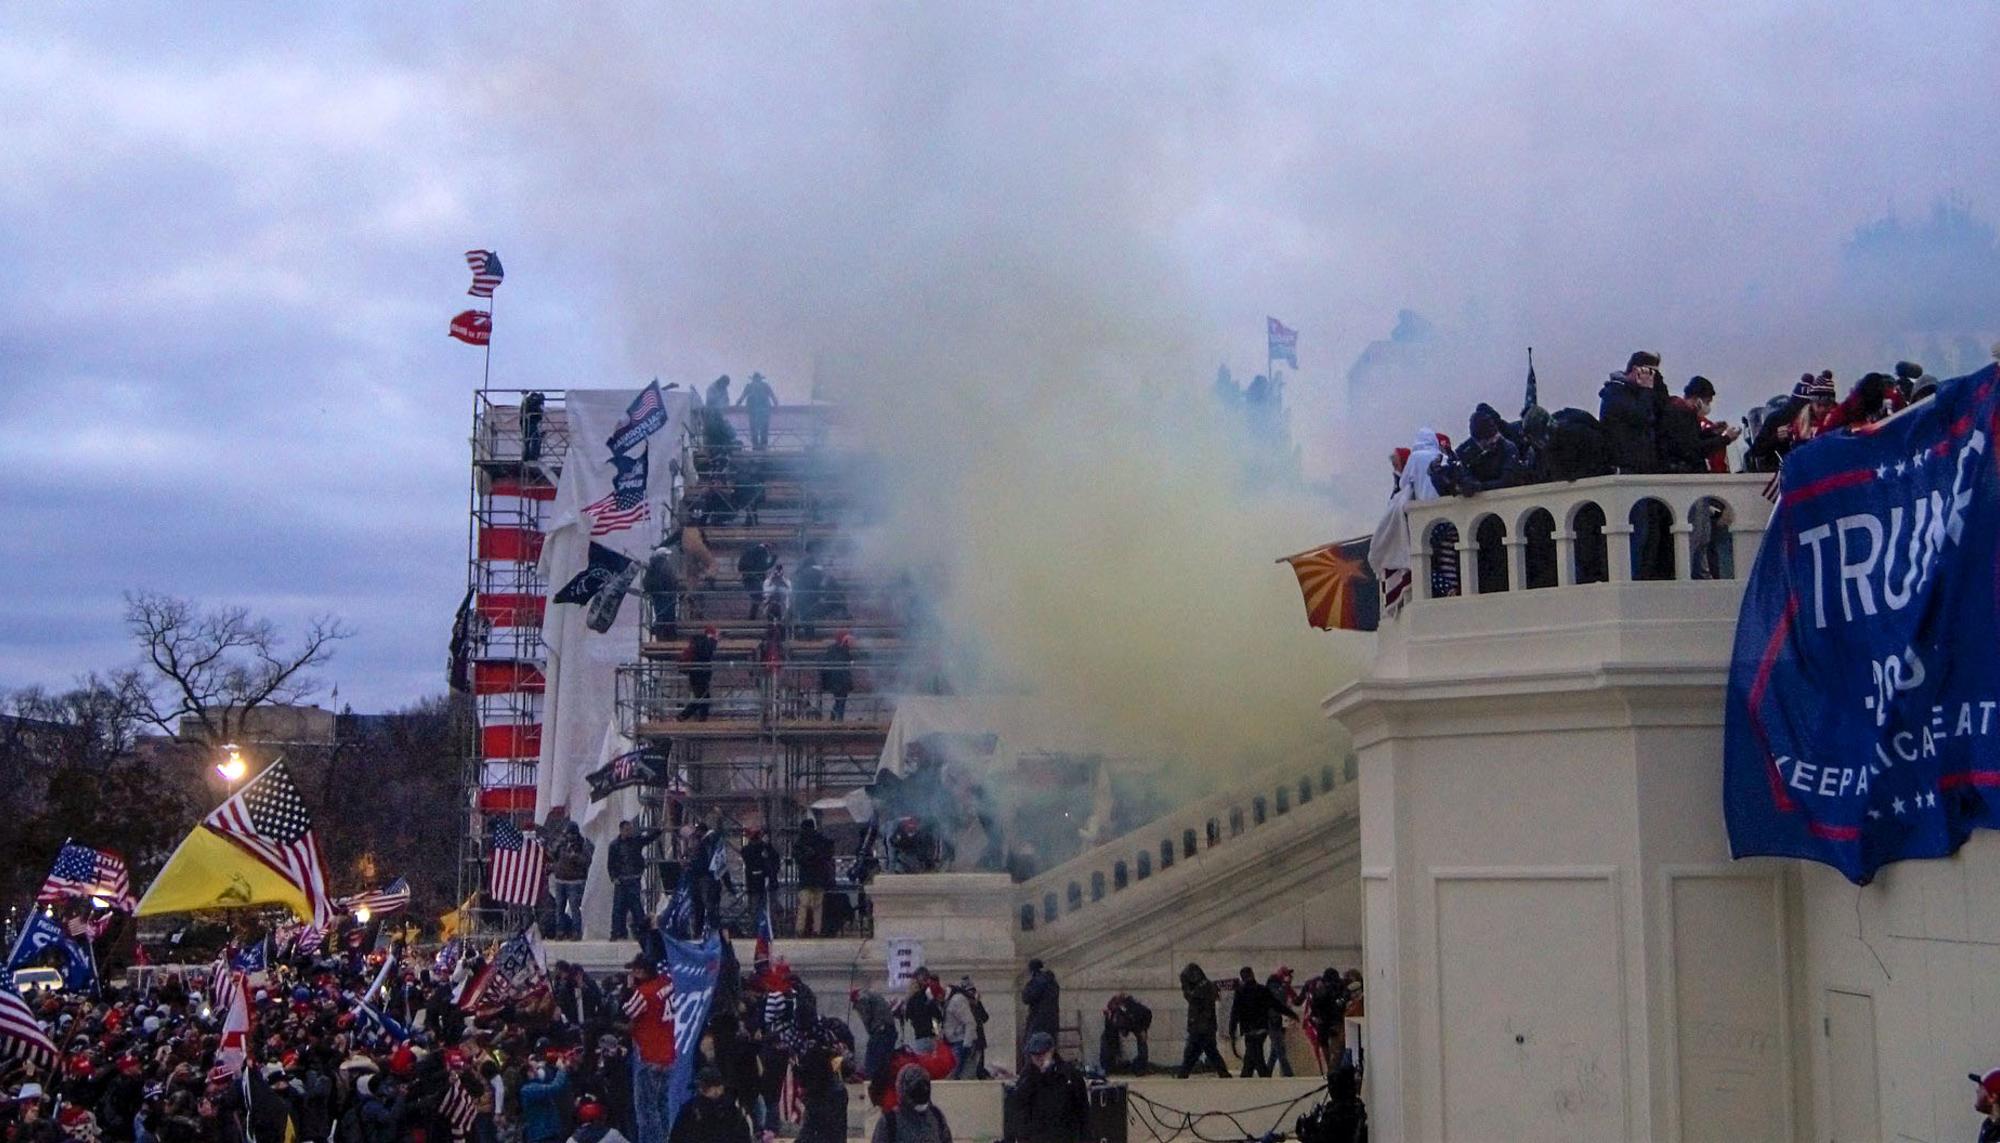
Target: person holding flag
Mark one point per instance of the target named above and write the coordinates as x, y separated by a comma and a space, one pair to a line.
649, 1014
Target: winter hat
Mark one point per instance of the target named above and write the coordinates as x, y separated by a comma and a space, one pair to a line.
1821, 388
1909, 370
913, 1086
1038, 1043
1803, 390
589, 1111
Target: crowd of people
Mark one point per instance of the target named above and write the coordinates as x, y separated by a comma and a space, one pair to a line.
1642, 427
373, 1047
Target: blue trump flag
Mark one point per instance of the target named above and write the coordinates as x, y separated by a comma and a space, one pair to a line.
1863, 721
39, 934
695, 967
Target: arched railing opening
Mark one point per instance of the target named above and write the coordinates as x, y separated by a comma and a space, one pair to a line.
1146, 863
1097, 885
1538, 556
1593, 557
1443, 544
1711, 547
1490, 533
1652, 540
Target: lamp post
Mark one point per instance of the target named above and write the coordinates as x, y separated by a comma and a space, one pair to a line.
232, 767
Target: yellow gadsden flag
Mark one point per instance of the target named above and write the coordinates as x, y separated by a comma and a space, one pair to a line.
209, 871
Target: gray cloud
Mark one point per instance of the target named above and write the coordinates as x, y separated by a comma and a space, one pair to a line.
232, 246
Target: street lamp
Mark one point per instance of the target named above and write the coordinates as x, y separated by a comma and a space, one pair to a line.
232, 767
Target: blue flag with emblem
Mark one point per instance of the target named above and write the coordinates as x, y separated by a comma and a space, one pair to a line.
38, 935
255, 958
1863, 718
695, 967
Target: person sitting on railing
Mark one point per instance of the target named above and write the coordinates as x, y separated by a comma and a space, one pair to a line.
755, 562
699, 657
1629, 408
1487, 460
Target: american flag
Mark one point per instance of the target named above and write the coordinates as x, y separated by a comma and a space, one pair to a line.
515, 875
791, 1097
459, 1108
81, 871
310, 939
224, 985
391, 898
269, 818
618, 511
22, 1038
84, 925
486, 272
1444, 560
232, 1008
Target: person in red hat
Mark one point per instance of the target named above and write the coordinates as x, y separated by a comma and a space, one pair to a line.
1987, 1103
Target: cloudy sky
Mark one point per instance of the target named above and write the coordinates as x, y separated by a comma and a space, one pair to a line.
232, 240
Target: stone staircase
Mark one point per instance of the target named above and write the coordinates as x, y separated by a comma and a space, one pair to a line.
1264, 874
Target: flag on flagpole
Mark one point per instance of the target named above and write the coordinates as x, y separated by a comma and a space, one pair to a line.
791, 1097
270, 820
81, 871
39, 934
514, 876
473, 327
209, 871
486, 272
1284, 342
1533, 398
1340, 591
391, 898
762, 952
22, 1037
235, 1046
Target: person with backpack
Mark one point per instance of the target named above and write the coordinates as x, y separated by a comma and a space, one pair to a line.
963, 1019
1250, 1016
915, 1119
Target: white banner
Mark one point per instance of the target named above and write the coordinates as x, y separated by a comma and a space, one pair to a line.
610, 509
906, 956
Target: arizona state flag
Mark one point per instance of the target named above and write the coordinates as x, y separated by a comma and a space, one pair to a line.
1340, 591
209, 871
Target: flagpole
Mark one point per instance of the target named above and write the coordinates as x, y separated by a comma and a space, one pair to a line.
486, 378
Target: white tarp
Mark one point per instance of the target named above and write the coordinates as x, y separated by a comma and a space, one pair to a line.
593, 618
1019, 724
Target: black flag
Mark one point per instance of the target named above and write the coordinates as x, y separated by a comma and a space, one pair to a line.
1531, 402
644, 767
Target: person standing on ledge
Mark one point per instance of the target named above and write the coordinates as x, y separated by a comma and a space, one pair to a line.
1042, 996
760, 400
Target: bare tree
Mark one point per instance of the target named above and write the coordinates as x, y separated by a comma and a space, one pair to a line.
216, 666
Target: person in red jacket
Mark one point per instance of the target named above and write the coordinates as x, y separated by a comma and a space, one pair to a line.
649, 1012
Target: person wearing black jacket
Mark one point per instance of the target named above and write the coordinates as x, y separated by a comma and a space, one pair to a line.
711, 1116
836, 676
1201, 994
1488, 459
699, 657
625, 861
1629, 408
1042, 997
578, 997
1051, 1103
1250, 1015
1280, 987
753, 565
662, 585
760, 871
812, 852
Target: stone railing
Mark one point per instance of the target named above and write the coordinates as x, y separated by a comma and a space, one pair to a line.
1608, 529
1100, 873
